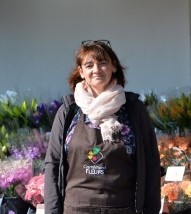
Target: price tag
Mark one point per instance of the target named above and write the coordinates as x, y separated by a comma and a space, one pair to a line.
40, 209
175, 173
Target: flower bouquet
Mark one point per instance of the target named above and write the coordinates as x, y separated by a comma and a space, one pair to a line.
175, 151
35, 190
178, 196
26, 159
12, 173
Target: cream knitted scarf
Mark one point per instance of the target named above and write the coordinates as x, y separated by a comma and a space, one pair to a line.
101, 109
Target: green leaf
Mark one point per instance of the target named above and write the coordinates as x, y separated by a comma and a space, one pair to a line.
7, 109
16, 111
6, 136
34, 104
24, 106
4, 149
3, 130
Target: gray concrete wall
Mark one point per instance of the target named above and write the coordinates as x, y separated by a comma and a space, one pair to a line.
38, 39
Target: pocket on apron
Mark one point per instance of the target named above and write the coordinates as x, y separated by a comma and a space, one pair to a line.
98, 210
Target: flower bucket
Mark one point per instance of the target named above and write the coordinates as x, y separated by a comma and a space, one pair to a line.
13, 205
188, 211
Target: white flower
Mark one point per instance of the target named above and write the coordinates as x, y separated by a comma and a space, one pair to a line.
163, 98
3, 98
9, 95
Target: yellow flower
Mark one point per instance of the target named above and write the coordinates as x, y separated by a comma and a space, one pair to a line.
188, 191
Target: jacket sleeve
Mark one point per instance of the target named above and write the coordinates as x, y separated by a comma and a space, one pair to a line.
152, 202
52, 197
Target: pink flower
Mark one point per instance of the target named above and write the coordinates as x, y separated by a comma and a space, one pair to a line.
35, 190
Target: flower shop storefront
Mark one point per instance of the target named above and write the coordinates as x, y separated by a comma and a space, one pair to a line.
25, 126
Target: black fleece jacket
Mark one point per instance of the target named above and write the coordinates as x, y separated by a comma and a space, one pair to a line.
147, 160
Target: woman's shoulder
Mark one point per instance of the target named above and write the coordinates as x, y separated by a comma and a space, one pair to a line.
131, 96
67, 102
134, 99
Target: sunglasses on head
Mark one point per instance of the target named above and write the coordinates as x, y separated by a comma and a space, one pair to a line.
89, 42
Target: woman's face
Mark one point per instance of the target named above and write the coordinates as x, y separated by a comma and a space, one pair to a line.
97, 74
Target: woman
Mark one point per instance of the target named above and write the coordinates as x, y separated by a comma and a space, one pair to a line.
110, 161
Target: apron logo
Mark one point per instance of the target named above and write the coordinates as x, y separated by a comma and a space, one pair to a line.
95, 155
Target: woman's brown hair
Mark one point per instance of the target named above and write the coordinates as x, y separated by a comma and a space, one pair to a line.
99, 50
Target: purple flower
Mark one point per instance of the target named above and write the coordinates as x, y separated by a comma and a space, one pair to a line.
17, 153
54, 105
42, 109
35, 118
29, 151
19, 174
33, 152
11, 212
44, 116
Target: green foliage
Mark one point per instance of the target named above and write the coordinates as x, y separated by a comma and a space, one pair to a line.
180, 110
172, 114
15, 115
20, 117
150, 99
160, 116
4, 142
